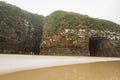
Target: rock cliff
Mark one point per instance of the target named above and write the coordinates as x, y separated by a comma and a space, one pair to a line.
60, 33
20, 31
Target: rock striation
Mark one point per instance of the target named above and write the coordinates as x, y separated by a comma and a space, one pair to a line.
60, 33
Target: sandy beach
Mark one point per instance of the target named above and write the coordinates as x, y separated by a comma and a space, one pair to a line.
58, 68
88, 71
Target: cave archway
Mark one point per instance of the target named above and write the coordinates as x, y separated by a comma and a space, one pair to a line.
94, 44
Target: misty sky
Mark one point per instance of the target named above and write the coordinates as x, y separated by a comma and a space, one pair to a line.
104, 9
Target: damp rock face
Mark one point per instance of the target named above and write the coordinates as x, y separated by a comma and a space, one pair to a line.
64, 35
64, 51
67, 33
103, 44
60, 33
67, 42
108, 48
20, 31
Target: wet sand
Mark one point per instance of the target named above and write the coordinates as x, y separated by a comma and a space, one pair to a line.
109, 70
12, 63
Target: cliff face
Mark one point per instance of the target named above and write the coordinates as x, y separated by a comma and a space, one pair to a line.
104, 43
64, 35
20, 30
67, 42
60, 33
108, 48
96, 43
74, 34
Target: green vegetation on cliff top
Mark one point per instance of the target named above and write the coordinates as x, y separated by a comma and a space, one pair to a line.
12, 17
63, 19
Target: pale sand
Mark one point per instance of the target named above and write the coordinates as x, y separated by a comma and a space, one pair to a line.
12, 63
88, 71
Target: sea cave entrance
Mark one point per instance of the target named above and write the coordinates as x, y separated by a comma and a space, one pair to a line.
94, 44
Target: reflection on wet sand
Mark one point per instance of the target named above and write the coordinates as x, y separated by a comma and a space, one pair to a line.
88, 71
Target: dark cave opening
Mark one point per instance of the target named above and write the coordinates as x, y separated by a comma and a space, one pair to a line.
94, 44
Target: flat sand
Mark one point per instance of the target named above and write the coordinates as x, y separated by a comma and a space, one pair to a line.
108, 70
13, 63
